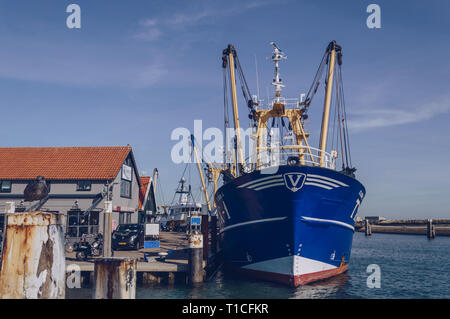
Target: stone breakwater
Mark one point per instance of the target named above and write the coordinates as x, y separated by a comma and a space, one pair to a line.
406, 226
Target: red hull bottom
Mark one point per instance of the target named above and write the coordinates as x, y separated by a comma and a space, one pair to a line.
291, 280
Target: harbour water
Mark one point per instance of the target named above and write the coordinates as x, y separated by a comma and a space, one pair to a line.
411, 267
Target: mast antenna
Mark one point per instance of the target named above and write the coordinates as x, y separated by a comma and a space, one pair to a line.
276, 57
257, 76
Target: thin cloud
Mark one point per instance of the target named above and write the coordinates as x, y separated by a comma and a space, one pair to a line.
148, 22
152, 34
376, 118
152, 26
183, 18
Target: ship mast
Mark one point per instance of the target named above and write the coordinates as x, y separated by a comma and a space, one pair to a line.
201, 174
230, 51
277, 56
298, 152
279, 109
183, 193
332, 48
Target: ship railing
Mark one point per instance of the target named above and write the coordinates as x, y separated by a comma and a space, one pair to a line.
288, 103
266, 157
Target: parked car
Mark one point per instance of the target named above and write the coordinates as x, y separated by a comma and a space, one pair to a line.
128, 236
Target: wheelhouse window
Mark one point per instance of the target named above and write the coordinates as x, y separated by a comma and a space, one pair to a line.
84, 186
5, 186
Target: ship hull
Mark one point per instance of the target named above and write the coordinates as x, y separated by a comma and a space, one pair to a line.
293, 226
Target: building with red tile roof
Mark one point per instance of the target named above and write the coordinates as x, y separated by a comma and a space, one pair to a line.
78, 179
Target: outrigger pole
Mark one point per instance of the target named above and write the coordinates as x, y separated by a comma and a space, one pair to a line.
231, 52
201, 174
332, 48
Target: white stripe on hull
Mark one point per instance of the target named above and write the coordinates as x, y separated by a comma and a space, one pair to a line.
268, 186
328, 179
318, 185
279, 180
322, 182
329, 221
253, 222
259, 180
275, 180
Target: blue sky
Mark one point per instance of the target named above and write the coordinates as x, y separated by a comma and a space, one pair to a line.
138, 69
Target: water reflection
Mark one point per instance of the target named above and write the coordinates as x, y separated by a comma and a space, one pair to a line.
330, 288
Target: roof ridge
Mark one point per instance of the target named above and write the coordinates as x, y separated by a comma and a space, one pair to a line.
68, 147
92, 162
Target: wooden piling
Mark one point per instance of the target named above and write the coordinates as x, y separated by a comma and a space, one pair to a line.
205, 233
431, 231
196, 272
107, 229
214, 235
9, 209
368, 228
33, 257
115, 278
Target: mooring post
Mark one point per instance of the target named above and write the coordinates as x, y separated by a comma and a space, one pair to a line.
214, 235
205, 233
431, 231
33, 257
107, 229
10, 208
115, 278
196, 272
368, 228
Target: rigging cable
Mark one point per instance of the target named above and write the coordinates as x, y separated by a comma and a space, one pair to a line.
344, 155
345, 116
316, 82
182, 175
161, 191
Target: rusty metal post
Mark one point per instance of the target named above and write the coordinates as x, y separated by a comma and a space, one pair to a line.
107, 229
214, 235
205, 233
115, 278
196, 272
33, 258
9, 209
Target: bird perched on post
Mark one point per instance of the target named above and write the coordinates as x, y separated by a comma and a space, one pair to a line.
36, 190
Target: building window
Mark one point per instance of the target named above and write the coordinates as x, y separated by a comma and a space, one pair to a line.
84, 185
5, 186
126, 180
125, 189
80, 223
124, 218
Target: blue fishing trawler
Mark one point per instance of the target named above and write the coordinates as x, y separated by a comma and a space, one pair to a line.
287, 212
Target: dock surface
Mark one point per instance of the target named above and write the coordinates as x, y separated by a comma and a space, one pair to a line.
170, 242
